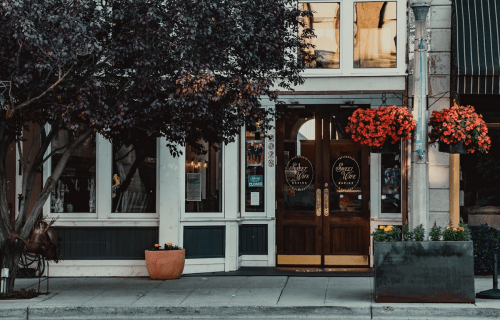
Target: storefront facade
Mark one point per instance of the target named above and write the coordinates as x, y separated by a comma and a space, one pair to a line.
305, 195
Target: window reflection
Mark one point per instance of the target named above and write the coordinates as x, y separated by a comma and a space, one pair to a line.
375, 34
75, 190
204, 180
254, 171
326, 25
134, 178
391, 183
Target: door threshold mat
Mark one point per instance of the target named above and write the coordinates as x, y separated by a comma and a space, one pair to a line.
290, 272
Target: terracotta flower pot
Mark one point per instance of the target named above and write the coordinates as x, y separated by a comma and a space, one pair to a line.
165, 264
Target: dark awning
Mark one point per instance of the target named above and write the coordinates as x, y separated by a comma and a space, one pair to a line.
476, 46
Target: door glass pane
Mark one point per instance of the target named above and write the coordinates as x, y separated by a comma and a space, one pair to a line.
391, 183
375, 27
326, 25
134, 178
299, 161
75, 190
204, 180
345, 176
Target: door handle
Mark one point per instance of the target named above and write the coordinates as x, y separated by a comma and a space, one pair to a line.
318, 202
327, 202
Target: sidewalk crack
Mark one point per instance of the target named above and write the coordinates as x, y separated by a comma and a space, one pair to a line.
145, 293
326, 290
186, 297
281, 293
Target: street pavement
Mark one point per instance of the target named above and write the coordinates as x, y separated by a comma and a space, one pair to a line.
229, 297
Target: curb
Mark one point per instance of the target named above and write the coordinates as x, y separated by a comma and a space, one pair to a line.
333, 312
320, 312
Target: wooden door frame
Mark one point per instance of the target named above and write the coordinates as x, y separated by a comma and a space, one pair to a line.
322, 113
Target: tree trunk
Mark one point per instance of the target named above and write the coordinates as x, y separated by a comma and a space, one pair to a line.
10, 260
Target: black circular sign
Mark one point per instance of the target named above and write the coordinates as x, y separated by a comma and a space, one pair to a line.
345, 173
299, 173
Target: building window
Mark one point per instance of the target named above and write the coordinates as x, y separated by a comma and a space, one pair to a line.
204, 180
134, 178
254, 170
375, 38
391, 183
326, 25
75, 190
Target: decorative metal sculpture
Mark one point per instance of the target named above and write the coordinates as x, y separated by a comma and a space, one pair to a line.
43, 241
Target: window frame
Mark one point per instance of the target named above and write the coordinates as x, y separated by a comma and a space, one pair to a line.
189, 215
104, 166
347, 46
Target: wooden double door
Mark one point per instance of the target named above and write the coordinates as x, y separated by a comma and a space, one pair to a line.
323, 180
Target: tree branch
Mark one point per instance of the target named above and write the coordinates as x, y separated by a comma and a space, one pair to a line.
30, 173
54, 152
50, 184
24, 104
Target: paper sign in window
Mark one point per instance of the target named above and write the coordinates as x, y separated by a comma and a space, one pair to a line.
193, 188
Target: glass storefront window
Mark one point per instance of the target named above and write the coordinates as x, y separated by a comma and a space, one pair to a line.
75, 190
134, 178
391, 183
375, 26
326, 25
254, 170
204, 180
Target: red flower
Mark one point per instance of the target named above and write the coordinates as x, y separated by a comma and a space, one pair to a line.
374, 126
458, 123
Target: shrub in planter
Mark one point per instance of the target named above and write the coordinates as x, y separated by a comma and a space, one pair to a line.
486, 241
459, 124
423, 271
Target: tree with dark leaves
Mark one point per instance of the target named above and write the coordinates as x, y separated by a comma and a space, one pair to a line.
186, 70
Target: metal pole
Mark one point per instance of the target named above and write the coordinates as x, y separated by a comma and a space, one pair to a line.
419, 209
495, 271
4, 275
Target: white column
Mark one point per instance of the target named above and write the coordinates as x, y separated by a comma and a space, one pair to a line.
169, 195
231, 208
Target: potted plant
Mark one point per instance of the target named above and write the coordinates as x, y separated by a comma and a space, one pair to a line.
166, 263
381, 128
408, 269
459, 130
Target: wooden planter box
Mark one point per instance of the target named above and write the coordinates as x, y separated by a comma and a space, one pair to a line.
424, 271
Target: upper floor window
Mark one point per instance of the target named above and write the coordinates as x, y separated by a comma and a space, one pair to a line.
352, 36
326, 25
375, 31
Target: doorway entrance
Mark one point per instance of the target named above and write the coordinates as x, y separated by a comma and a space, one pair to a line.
323, 190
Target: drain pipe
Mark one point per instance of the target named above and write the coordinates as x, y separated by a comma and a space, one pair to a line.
3, 281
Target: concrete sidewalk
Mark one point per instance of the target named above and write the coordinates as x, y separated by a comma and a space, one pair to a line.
229, 297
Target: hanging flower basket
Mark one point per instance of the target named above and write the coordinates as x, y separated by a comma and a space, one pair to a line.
382, 129
387, 147
459, 130
458, 147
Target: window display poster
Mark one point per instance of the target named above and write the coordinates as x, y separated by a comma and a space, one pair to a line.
255, 153
193, 189
255, 181
254, 198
